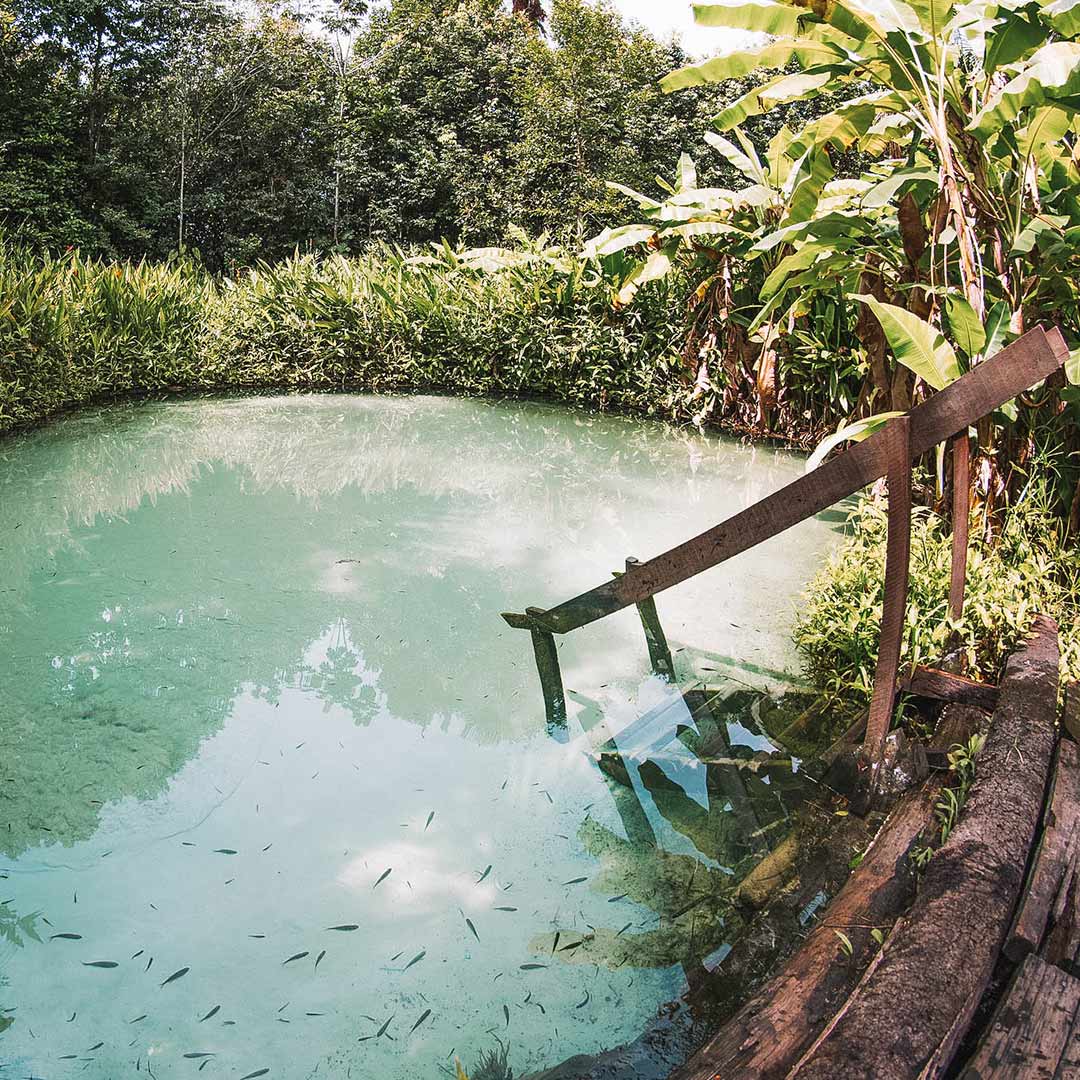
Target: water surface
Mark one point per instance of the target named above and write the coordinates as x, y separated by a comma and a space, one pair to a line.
276, 787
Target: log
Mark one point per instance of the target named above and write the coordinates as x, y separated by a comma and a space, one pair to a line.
1070, 718
1029, 1033
770, 1032
907, 1016
943, 686
1051, 870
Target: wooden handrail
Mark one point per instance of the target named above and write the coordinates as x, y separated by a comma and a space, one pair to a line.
988, 386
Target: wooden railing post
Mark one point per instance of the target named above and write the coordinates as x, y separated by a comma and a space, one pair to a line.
547, 666
655, 639
961, 511
897, 564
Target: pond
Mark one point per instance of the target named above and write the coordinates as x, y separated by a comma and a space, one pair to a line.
277, 792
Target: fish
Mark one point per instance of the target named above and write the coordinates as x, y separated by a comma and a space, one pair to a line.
295, 956
224, 851
555, 943
506, 1013
176, 975
382, 877
575, 881
200, 1054
96, 1046
484, 874
624, 929
621, 896
415, 960
148, 963
137, 1019
430, 819
382, 1031
584, 1002
66, 937
532, 967
100, 963
318, 959
252, 1075
423, 1016
468, 923
71, 1018
213, 1012
506, 909
345, 927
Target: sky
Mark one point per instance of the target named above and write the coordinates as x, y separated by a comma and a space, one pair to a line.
663, 17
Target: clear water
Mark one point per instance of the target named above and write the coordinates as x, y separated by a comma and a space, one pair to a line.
255, 687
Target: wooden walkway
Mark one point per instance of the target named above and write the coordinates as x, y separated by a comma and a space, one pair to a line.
979, 975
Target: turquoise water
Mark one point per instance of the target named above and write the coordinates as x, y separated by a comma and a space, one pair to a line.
276, 788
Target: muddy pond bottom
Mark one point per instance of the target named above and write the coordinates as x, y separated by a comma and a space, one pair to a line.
277, 793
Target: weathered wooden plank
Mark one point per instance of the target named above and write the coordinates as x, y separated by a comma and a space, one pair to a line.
894, 608
1030, 1030
907, 1017
547, 667
1052, 862
988, 386
961, 511
929, 682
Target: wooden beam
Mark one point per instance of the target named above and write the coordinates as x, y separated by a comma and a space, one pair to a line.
897, 566
547, 667
1055, 864
659, 651
927, 682
988, 386
961, 506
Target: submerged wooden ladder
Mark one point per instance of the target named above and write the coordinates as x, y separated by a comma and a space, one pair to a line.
946, 415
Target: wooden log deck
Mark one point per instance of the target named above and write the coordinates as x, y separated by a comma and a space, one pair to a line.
975, 967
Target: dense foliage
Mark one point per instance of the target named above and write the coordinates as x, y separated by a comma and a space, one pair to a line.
1032, 567
131, 127
73, 329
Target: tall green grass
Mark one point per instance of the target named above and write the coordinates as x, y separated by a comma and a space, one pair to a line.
74, 329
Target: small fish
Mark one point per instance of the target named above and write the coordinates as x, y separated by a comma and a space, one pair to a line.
224, 851
138, 1019
621, 896
96, 1046
415, 960
430, 819
382, 877
344, 927
257, 1072
532, 967
71, 1018
200, 1054
506, 909
66, 937
295, 956
555, 943
382, 1031
213, 1012
423, 1016
575, 881
583, 1003
100, 963
624, 929
176, 975
468, 923
484, 874
506, 1013
135, 956
148, 963
318, 959
396, 955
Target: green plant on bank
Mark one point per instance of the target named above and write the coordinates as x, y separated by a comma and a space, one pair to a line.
958, 228
1030, 566
950, 803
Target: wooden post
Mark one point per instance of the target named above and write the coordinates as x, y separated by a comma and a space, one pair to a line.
961, 514
659, 651
897, 562
547, 666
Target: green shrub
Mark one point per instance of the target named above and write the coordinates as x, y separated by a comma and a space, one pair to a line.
1030, 568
